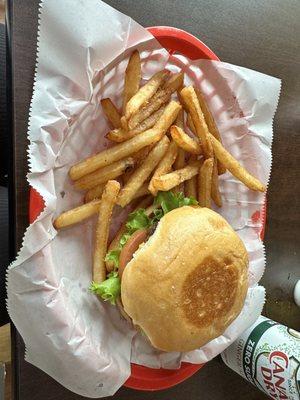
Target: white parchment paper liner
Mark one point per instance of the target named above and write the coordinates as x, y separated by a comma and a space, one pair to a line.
83, 49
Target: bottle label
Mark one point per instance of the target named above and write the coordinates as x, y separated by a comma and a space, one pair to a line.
268, 356
250, 347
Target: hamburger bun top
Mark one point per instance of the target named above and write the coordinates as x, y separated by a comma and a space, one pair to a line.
188, 282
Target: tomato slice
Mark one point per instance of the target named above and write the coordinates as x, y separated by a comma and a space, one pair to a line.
131, 247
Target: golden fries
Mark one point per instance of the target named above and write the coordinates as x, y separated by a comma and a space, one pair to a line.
191, 184
204, 183
94, 193
180, 159
168, 116
175, 82
141, 174
107, 203
108, 156
191, 187
179, 164
169, 181
103, 175
215, 193
122, 150
180, 119
164, 166
142, 191
191, 102
140, 155
124, 124
235, 167
133, 76
120, 135
145, 93
212, 126
185, 141
159, 99
111, 112
76, 215
190, 124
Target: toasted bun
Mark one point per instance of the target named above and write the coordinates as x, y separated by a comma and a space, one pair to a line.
188, 282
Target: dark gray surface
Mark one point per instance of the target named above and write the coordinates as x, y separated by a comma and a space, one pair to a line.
263, 35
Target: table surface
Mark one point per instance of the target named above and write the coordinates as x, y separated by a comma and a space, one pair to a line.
258, 34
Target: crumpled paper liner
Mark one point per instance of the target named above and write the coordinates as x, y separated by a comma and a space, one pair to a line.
83, 49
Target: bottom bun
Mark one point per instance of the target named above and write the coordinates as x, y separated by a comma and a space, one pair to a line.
188, 282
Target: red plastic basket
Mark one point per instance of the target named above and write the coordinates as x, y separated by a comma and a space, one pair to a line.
143, 378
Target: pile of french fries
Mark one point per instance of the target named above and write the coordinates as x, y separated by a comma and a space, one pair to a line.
161, 144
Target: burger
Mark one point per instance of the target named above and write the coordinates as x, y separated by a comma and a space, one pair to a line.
180, 275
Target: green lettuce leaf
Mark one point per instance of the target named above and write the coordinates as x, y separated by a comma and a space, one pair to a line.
113, 255
124, 239
168, 201
108, 290
138, 220
186, 201
158, 214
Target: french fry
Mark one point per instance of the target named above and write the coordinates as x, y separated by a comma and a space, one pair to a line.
122, 150
142, 191
213, 129
140, 155
126, 176
103, 175
124, 124
111, 112
141, 174
161, 97
145, 93
185, 141
190, 123
119, 151
107, 203
180, 119
191, 187
168, 116
215, 192
169, 181
179, 164
180, 159
191, 184
94, 193
76, 215
212, 126
120, 135
164, 166
235, 167
191, 102
205, 182
175, 82
133, 76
